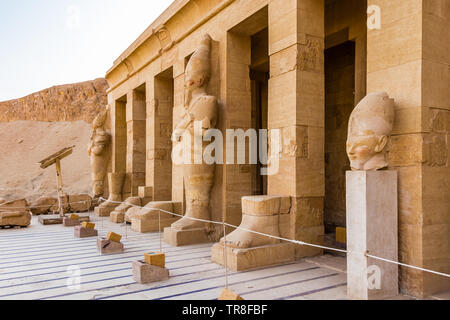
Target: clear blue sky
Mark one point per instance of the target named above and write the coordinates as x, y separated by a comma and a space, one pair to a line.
52, 42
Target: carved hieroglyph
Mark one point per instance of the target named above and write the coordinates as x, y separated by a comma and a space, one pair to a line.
99, 153
369, 128
199, 106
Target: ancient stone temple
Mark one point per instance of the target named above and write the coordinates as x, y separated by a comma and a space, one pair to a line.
299, 68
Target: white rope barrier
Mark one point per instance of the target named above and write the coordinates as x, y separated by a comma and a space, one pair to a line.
287, 240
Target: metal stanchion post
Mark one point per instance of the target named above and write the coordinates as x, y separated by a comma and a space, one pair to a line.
225, 254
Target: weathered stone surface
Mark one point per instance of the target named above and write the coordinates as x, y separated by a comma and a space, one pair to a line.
16, 205
15, 218
185, 237
42, 205
119, 212
371, 209
145, 273
80, 203
256, 257
100, 152
131, 213
81, 232
151, 218
105, 246
68, 222
369, 129
115, 182
227, 294
72, 102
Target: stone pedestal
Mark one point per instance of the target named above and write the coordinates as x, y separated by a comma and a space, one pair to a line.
117, 217
108, 246
68, 222
57, 219
185, 237
145, 273
251, 258
148, 218
81, 232
372, 227
143, 226
104, 211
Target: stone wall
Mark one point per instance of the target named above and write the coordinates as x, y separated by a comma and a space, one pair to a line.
408, 57
339, 104
71, 102
345, 76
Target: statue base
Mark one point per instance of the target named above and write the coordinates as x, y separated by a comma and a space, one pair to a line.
81, 232
372, 226
67, 222
252, 258
144, 273
144, 226
104, 211
108, 246
57, 219
185, 237
117, 217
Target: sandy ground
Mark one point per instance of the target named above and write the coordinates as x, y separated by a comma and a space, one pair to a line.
24, 143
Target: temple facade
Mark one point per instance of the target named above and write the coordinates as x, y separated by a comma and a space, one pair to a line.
300, 66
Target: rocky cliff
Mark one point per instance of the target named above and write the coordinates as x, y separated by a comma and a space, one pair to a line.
71, 102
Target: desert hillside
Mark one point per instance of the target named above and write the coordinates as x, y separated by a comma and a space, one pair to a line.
70, 102
38, 125
24, 143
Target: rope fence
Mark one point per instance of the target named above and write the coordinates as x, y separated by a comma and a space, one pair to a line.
297, 242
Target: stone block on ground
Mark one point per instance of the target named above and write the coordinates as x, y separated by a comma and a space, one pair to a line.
106, 246
42, 205
113, 237
156, 259
15, 218
145, 273
185, 237
131, 213
80, 203
117, 217
103, 211
69, 222
16, 205
81, 232
151, 218
227, 294
252, 258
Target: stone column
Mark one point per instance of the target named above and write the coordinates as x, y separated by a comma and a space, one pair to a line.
136, 127
408, 58
296, 107
372, 228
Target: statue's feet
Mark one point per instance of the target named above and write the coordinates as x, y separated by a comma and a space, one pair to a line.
241, 239
187, 224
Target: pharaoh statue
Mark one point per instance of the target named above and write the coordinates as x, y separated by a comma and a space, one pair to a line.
200, 109
369, 128
99, 153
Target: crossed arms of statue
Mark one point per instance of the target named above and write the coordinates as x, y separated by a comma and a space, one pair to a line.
205, 110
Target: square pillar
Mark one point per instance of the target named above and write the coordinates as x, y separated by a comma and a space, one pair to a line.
408, 58
136, 145
296, 108
372, 227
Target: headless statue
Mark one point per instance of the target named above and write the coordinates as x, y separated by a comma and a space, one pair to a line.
99, 153
201, 108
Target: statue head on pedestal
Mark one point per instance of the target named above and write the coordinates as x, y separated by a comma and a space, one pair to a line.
369, 128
